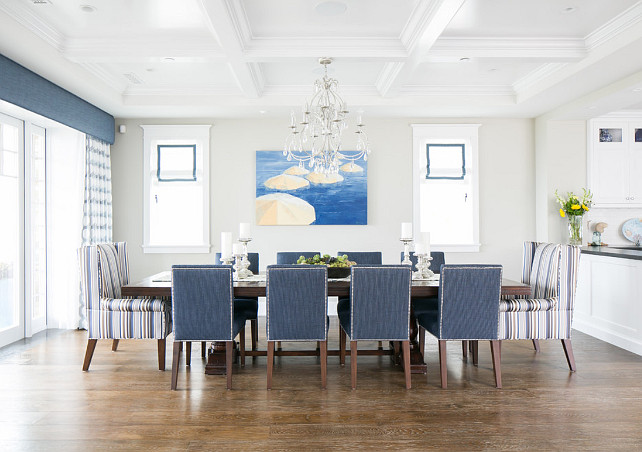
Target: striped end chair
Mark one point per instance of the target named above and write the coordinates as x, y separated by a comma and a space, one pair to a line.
104, 269
379, 310
468, 303
297, 310
290, 257
551, 270
203, 310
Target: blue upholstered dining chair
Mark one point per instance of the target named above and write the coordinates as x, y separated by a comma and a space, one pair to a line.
297, 309
468, 307
379, 310
363, 257
426, 304
551, 270
249, 306
203, 310
291, 257
104, 269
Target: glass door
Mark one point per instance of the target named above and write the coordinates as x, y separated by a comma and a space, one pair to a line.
12, 316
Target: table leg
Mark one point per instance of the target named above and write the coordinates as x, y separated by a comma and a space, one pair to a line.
216, 363
417, 364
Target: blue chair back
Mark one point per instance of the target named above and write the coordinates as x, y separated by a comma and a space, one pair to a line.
297, 302
363, 257
380, 302
252, 257
202, 303
469, 302
290, 257
438, 259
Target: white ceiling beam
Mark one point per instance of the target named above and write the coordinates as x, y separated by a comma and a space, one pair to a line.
426, 24
548, 48
221, 17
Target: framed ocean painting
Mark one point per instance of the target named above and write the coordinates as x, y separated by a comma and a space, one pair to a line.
288, 194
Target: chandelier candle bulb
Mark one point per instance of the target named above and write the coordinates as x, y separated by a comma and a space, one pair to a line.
244, 231
406, 230
226, 245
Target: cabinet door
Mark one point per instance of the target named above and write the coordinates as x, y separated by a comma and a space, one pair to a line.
610, 175
635, 168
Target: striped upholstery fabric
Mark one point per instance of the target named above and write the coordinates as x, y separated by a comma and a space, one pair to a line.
551, 270
104, 269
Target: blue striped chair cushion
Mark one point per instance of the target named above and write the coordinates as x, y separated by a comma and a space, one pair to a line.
544, 275
133, 304
525, 305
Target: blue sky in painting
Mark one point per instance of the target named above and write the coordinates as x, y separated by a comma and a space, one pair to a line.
345, 202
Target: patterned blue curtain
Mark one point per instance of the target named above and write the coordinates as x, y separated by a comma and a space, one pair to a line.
97, 221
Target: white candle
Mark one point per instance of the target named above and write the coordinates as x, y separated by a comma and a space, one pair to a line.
226, 245
406, 230
420, 248
244, 231
426, 240
237, 249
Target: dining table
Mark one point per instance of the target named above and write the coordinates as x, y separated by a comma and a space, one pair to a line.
160, 285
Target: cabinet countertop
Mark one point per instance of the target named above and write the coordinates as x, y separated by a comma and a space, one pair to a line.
613, 251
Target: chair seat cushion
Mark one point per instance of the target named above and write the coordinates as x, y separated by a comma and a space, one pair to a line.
134, 304
424, 305
527, 305
247, 306
430, 321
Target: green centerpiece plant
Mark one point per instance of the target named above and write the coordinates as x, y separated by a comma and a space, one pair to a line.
338, 267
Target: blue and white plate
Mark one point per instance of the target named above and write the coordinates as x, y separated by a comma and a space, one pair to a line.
632, 229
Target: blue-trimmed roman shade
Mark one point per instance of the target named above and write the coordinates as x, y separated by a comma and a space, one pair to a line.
26, 89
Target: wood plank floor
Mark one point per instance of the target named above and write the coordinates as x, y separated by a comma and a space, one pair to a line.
124, 403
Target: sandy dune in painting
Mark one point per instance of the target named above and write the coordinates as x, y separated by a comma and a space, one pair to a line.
283, 209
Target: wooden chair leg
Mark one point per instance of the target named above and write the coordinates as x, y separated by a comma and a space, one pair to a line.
89, 353
114, 345
242, 346
443, 365
464, 349
568, 351
406, 362
270, 363
324, 363
176, 359
161, 354
254, 325
229, 352
422, 340
203, 349
342, 347
188, 353
353, 364
536, 345
397, 348
475, 352
495, 351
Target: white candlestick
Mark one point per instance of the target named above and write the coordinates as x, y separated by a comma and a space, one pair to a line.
420, 248
226, 244
244, 231
426, 240
406, 230
237, 249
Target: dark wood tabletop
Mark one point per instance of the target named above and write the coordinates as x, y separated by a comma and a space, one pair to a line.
159, 286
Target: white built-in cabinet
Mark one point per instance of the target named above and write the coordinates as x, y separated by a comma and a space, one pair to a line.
615, 162
608, 301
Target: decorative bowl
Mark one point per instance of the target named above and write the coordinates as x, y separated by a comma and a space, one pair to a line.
338, 272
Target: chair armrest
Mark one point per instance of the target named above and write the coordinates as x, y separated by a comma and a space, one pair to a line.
134, 304
527, 304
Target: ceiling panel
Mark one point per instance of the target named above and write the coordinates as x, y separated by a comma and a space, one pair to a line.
362, 18
533, 18
305, 72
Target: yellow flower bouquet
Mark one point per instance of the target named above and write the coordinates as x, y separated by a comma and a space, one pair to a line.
574, 207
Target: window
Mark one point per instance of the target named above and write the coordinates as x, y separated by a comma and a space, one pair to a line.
446, 185
176, 191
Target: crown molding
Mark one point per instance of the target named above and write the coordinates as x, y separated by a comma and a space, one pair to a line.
132, 92
548, 48
303, 91
117, 83
536, 76
419, 20
241, 24
458, 90
623, 114
388, 76
20, 12
630, 18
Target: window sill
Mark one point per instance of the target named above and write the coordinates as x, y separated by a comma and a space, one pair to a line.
176, 249
470, 248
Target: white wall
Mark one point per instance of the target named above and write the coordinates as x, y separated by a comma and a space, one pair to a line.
506, 157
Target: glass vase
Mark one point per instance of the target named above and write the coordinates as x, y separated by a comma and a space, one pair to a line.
575, 228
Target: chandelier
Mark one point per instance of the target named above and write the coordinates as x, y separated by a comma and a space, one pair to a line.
316, 139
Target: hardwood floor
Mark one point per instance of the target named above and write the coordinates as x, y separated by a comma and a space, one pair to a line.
124, 402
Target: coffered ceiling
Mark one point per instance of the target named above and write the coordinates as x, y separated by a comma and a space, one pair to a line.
240, 58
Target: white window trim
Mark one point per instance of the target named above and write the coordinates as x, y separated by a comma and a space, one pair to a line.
422, 133
171, 132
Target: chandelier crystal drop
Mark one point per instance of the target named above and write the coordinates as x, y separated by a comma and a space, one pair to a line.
316, 139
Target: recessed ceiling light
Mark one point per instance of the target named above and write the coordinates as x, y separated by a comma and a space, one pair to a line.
150, 69
169, 59
568, 10
492, 69
262, 112
331, 8
87, 8
464, 59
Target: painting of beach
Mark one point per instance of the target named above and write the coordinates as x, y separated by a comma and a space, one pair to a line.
289, 195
